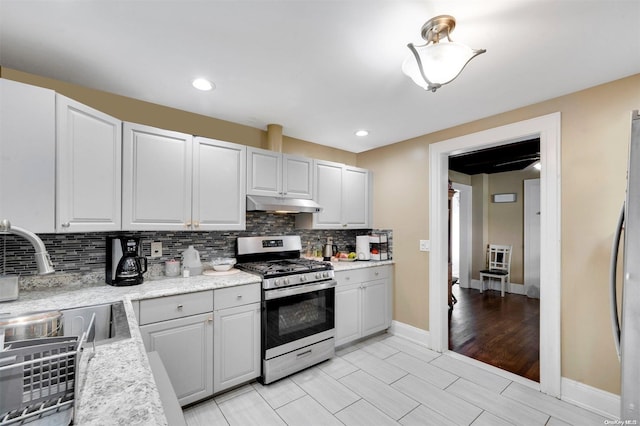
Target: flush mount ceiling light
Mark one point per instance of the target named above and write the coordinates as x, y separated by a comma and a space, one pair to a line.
362, 133
434, 64
202, 84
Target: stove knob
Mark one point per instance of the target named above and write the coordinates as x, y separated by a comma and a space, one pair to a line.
325, 275
285, 281
318, 275
276, 282
303, 279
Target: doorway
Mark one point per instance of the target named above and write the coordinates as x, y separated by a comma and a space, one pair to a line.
501, 330
547, 128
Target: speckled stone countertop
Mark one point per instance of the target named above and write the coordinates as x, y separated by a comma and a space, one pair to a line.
118, 388
359, 264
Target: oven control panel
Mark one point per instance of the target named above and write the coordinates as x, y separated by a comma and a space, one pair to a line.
297, 279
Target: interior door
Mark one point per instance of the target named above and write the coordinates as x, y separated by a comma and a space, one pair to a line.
532, 237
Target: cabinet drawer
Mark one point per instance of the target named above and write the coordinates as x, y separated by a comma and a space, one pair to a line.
236, 296
178, 306
351, 276
376, 273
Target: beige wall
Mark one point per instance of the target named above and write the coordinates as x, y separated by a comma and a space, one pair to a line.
595, 138
506, 220
497, 223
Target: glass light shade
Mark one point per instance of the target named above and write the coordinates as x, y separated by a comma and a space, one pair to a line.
441, 63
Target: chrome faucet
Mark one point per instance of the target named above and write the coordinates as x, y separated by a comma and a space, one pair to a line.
43, 261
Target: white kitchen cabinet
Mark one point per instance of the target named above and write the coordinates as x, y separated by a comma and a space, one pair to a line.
27, 156
88, 168
363, 302
347, 311
219, 185
173, 181
180, 329
156, 179
185, 346
271, 173
343, 192
236, 336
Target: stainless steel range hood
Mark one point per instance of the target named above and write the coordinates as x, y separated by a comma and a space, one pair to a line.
281, 205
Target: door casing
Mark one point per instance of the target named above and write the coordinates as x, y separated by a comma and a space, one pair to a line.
548, 129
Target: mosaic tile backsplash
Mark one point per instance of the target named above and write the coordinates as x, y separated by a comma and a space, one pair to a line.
83, 254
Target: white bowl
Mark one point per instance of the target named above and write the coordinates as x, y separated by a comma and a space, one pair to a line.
221, 264
222, 267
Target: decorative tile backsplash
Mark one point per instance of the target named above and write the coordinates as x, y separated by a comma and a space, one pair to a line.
84, 253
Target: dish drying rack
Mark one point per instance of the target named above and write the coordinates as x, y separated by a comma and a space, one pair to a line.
40, 378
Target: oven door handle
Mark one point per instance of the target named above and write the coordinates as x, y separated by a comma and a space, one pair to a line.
299, 289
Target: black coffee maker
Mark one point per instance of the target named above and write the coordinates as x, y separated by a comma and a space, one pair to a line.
124, 265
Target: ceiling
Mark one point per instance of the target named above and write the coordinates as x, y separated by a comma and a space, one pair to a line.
322, 69
498, 159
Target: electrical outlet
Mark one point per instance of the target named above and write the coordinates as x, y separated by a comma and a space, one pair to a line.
156, 249
425, 245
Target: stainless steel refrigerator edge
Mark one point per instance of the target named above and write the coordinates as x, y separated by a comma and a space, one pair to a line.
627, 331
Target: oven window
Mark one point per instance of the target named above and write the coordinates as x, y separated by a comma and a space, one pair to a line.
291, 318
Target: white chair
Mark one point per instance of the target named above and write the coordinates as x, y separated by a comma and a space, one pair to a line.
499, 266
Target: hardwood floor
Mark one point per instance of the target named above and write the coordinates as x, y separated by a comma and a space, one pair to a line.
503, 332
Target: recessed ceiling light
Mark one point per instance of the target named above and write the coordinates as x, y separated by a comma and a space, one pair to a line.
362, 133
203, 84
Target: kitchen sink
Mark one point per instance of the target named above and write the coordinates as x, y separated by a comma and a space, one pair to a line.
111, 322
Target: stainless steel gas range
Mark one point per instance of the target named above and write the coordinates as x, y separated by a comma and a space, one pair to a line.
298, 297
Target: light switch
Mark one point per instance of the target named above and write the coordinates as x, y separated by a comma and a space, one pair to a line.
156, 249
425, 245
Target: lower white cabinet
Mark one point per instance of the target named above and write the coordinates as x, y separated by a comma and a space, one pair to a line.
176, 328
363, 302
236, 334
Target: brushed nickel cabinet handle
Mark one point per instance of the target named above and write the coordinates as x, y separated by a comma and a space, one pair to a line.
180, 307
66, 225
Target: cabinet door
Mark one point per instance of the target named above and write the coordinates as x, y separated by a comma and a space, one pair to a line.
297, 177
156, 176
264, 172
375, 306
219, 185
347, 313
27, 156
328, 187
355, 198
236, 346
185, 346
89, 158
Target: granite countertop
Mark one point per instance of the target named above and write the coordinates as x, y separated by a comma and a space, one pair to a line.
119, 384
359, 264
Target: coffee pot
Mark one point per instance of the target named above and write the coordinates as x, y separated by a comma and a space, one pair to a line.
124, 265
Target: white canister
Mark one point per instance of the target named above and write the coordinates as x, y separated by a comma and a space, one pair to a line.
362, 247
172, 268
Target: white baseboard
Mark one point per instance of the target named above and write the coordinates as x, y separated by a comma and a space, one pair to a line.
602, 402
409, 332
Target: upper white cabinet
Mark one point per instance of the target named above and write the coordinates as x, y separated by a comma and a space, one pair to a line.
219, 185
27, 156
344, 194
156, 179
173, 181
274, 174
89, 152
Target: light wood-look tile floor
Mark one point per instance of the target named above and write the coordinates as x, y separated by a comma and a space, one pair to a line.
387, 380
